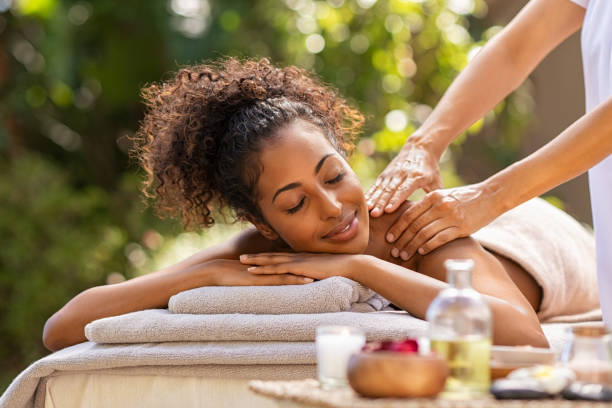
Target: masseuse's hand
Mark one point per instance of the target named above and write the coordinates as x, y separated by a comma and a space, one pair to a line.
414, 167
227, 272
315, 266
440, 217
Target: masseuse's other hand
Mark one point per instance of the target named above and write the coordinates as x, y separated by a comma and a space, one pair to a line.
227, 272
440, 217
315, 266
414, 167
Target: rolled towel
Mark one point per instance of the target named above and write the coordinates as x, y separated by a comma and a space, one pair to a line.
335, 294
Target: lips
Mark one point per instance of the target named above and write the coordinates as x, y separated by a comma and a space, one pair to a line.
345, 230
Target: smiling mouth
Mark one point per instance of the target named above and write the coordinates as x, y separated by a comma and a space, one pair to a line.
346, 231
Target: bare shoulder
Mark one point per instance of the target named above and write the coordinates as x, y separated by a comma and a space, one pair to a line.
432, 264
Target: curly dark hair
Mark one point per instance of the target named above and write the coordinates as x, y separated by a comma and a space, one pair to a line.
199, 139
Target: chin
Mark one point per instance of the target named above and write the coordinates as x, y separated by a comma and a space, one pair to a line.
358, 245
362, 245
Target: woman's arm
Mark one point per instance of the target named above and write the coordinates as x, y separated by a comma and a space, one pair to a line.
214, 266
514, 320
499, 68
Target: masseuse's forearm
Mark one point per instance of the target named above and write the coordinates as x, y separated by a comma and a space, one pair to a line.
499, 68
489, 77
414, 292
577, 149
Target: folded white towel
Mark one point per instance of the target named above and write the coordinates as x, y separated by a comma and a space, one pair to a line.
158, 325
335, 294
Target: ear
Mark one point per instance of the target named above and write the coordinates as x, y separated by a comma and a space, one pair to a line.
264, 229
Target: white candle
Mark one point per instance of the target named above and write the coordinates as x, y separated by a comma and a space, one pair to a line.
334, 345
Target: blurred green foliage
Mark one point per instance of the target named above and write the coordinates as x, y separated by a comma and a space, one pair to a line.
70, 74
55, 241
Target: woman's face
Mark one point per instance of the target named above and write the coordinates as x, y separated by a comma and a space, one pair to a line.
309, 195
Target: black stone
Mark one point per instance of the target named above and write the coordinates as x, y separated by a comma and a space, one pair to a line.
517, 389
587, 391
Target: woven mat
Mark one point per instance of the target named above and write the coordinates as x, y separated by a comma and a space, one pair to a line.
309, 393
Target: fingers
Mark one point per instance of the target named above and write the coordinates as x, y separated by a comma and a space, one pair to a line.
401, 246
293, 267
425, 235
412, 213
443, 237
266, 258
387, 191
271, 269
375, 194
278, 264
402, 193
372, 193
284, 279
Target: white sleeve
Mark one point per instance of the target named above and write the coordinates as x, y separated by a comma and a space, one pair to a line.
582, 3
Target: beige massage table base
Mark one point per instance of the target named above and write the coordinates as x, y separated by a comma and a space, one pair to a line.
126, 388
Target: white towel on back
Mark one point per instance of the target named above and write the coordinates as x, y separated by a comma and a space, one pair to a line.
553, 248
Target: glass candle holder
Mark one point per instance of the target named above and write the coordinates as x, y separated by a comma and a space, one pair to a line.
589, 354
334, 345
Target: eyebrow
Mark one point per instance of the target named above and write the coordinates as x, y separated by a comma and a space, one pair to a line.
294, 185
320, 163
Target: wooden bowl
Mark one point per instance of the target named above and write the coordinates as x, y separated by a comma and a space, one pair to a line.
397, 375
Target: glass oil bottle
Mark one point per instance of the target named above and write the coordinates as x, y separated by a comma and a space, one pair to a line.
460, 331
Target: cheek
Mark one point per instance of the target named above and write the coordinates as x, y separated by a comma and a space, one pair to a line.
354, 190
299, 232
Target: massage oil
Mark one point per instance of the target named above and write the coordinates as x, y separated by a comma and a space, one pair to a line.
460, 332
468, 362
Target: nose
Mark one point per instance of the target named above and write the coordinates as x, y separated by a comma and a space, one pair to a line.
330, 205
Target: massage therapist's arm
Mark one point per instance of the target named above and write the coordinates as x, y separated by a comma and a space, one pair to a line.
499, 68
216, 266
444, 215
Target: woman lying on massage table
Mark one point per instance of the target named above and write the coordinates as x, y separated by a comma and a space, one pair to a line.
270, 144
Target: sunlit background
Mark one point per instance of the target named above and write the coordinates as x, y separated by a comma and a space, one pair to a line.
71, 215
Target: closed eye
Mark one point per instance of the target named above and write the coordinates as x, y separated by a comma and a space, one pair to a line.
296, 208
336, 179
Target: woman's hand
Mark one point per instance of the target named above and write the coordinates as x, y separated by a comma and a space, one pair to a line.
315, 266
227, 272
414, 167
440, 217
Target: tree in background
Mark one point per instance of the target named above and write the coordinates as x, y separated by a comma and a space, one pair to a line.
70, 74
